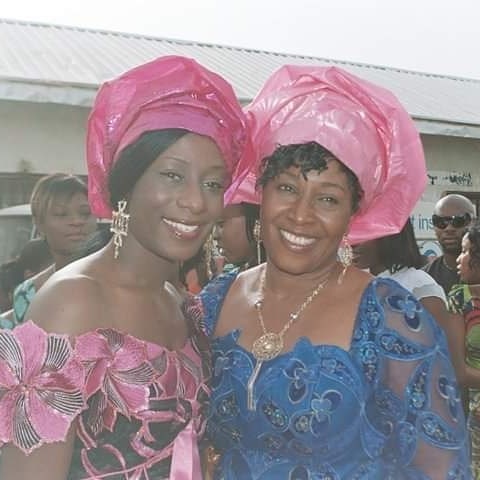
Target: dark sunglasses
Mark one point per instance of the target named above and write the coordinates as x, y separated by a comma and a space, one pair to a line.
456, 221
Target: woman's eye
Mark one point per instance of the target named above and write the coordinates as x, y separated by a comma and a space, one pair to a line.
284, 187
213, 185
329, 200
172, 176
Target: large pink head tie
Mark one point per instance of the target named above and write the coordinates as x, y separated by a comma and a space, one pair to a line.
169, 92
246, 191
362, 124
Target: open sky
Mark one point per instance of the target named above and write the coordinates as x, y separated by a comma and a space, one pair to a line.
436, 36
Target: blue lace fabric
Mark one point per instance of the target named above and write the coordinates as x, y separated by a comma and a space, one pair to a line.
388, 408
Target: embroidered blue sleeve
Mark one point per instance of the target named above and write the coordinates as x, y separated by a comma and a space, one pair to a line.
415, 402
212, 297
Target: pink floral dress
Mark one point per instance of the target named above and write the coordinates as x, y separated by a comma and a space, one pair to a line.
139, 406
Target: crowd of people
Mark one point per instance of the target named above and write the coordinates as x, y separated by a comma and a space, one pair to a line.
258, 309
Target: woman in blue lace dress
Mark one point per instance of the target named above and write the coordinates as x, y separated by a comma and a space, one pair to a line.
320, 370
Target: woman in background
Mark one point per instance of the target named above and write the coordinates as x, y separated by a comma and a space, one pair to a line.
237, 234
34, 257
398, 257
464, 303
63, 219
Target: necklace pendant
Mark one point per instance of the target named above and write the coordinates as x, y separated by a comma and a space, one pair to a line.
251, 403
267, 347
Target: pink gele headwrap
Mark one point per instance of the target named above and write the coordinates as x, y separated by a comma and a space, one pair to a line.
362, 124
169, 92
246, 191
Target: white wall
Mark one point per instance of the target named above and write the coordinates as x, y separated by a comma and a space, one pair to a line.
42, 138
453, 164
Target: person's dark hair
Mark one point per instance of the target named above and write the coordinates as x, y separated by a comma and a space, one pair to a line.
198, 263
34, 257
11, 275
400, 250
473, 235
52, 187
252, 214
136, 158
97, 241
306, 156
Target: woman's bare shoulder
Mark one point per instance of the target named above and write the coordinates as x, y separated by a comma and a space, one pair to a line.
247, 281
68, 304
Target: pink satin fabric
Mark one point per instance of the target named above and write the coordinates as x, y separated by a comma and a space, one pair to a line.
246, 191
169, 92
362, 124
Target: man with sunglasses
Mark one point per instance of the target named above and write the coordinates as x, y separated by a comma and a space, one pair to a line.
452, 215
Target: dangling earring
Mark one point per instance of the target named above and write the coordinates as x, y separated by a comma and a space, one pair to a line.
208, 248
119, 226
345, 256
257, 235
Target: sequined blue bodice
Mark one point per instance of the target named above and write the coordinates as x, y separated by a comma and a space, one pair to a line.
385, 409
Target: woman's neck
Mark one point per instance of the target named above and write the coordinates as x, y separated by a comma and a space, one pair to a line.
283, 284
450, 262
141, 268
60, 261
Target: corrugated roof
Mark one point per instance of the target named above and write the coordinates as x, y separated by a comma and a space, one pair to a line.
66, 65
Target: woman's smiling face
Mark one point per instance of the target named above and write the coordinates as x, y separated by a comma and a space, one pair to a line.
179, 197
305, 218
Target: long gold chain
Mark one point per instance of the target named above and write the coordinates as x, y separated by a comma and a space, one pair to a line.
270, 344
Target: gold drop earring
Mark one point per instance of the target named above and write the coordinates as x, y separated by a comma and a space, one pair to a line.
257, 235
345, 256
119, 226
208, 249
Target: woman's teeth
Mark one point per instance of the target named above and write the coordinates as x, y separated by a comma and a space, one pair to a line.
181, 227
296, 240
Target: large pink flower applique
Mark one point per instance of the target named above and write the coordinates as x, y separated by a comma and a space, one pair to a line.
41, 386
118, 379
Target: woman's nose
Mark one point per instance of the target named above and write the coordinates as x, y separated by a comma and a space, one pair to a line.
301, 210
192, 198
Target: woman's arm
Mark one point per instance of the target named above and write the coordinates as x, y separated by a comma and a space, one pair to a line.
453, 326
38, 424
423, 400
49, 462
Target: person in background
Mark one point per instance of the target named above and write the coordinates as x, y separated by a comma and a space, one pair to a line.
34, 257
64, 221
9, 278
237, 233
319, 369
398, 256
464, 303
451, 217
197, 271
116, 385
